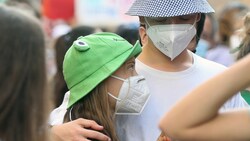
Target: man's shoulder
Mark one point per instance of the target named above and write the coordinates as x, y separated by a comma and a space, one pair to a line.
208, 63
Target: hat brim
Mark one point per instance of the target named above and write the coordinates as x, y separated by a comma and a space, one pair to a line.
170, 8
101, 74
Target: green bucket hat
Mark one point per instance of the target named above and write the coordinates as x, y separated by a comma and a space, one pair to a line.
93, 58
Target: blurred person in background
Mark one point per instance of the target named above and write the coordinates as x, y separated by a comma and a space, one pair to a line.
244, 49
128, 32
208, 37
27, 5
58, 16
24, 102
229, 20
25, 99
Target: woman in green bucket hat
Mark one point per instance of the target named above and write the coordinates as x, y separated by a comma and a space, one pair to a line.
102, 81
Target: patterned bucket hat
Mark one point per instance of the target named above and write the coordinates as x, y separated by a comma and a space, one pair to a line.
168, 8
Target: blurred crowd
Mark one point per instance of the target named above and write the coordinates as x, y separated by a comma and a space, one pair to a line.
219, 41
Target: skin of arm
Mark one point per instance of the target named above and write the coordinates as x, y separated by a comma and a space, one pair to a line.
78, 130
196, 116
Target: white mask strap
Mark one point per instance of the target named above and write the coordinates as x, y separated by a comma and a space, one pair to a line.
118, 99
147, 24
118, 78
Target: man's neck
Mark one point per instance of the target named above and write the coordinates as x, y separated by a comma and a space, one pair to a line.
152, 57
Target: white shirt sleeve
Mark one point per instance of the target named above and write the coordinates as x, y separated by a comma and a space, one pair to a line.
237, 101
57, 115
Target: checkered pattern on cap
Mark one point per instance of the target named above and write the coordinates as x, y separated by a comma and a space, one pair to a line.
168, 8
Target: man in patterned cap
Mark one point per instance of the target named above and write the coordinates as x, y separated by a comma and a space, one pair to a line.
168, 29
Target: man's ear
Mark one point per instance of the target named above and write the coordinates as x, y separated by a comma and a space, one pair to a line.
198, 17
143, 35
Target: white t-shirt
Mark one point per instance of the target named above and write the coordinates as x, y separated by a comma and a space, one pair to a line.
166, 89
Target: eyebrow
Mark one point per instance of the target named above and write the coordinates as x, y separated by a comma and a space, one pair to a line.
132, 61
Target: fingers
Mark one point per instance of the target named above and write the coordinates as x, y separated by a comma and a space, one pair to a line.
89, 124
94, 135
90, 132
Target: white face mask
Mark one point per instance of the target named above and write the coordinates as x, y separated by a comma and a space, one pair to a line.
132, 97
171, 39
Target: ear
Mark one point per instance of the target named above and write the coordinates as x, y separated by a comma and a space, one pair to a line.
143, 35
198, 17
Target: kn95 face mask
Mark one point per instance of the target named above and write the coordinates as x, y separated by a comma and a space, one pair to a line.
133, 96
171, 39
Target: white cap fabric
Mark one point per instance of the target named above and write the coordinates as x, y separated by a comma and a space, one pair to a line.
168, 8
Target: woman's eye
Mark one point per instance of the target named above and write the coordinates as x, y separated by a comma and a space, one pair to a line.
131, 66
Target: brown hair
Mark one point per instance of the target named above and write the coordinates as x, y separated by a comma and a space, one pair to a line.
95, 106
231, 13
245, 44
23, 100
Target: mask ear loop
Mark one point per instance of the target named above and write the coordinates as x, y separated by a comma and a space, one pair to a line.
70, 117
124, 81
118, 99
147, 25
118, 78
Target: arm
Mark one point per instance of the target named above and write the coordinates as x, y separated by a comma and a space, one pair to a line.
78, 130
196, 116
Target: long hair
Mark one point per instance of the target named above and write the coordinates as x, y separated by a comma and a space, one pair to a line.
23, 100
245, 44
95, 106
